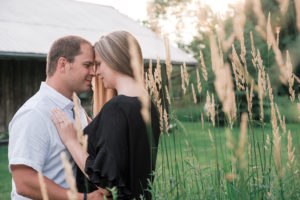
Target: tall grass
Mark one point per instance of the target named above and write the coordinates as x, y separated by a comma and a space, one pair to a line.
248, 157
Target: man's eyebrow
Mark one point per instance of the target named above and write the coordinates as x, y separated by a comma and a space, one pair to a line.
88, 62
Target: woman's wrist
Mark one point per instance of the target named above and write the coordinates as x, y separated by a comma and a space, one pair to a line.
71, 142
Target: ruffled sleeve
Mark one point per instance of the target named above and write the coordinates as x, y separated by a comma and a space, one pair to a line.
107, 164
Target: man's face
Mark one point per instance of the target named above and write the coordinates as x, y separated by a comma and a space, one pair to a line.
81, 70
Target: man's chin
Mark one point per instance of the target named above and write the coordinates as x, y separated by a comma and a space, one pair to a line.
84, 90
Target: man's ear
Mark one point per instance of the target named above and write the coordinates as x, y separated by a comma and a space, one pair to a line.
61, 64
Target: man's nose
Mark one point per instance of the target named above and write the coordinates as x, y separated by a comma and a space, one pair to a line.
97, 72
93, 71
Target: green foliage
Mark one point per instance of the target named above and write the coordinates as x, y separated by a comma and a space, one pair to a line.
4, 135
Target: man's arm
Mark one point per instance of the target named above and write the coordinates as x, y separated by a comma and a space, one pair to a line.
27, 184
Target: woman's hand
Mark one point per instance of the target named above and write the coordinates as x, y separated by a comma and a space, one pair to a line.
64, 126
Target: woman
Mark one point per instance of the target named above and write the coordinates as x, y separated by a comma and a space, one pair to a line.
121, 152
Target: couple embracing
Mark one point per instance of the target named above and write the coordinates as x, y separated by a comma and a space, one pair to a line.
121, 152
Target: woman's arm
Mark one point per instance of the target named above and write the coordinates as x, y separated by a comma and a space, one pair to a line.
67, 133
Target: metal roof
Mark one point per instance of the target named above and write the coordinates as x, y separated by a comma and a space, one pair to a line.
30, 26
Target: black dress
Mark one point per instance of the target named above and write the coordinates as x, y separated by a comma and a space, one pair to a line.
122, 152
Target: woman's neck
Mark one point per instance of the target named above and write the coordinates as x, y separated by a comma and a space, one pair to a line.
128, 86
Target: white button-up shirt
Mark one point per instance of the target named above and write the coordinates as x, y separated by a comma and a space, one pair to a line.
33, 138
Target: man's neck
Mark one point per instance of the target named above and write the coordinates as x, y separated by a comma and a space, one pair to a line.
59, 87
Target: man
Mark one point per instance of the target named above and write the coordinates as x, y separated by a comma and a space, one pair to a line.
34, 144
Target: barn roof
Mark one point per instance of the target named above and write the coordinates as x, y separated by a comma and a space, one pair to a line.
28, 27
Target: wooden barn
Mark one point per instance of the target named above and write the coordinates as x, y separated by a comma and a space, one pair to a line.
28, 28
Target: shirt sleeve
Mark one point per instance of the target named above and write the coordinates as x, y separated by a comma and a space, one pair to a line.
109, 166
28, 140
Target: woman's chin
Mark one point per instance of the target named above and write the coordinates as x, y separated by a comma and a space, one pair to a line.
106, 86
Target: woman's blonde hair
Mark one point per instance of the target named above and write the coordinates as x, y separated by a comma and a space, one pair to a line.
114, 49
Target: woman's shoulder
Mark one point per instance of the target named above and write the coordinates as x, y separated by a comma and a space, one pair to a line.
122, 102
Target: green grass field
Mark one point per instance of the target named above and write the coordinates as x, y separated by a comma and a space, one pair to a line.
188, 167
186, 162
5, 176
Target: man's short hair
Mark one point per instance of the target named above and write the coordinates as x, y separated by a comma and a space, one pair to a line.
67, 47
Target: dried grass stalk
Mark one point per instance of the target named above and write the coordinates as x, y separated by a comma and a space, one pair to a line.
77, 117
220, 29
154, 91
275, 130
225, 90
150, 66
277, 35
157, 74
43, 186
283, 4
261, 96
207, 104
167, 94
291, 150
290, 75
161, 121
239, 22
137, 66
238, 70
182, 80
283, 68
199, 87
168, 58
261, 23
166, 121
243, 137
297, 8
270, 36
253, 51
85, 143
243, 57
262, 72
186, 74
249, 99
281, 121
194, 94
72, 193
203, 67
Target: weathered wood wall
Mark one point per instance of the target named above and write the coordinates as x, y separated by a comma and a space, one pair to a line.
19, 80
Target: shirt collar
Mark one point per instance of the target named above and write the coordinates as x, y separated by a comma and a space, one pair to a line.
60, 100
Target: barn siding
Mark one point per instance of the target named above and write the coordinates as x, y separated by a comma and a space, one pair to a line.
20, 79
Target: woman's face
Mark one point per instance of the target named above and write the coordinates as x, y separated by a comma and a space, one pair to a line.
105, 72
